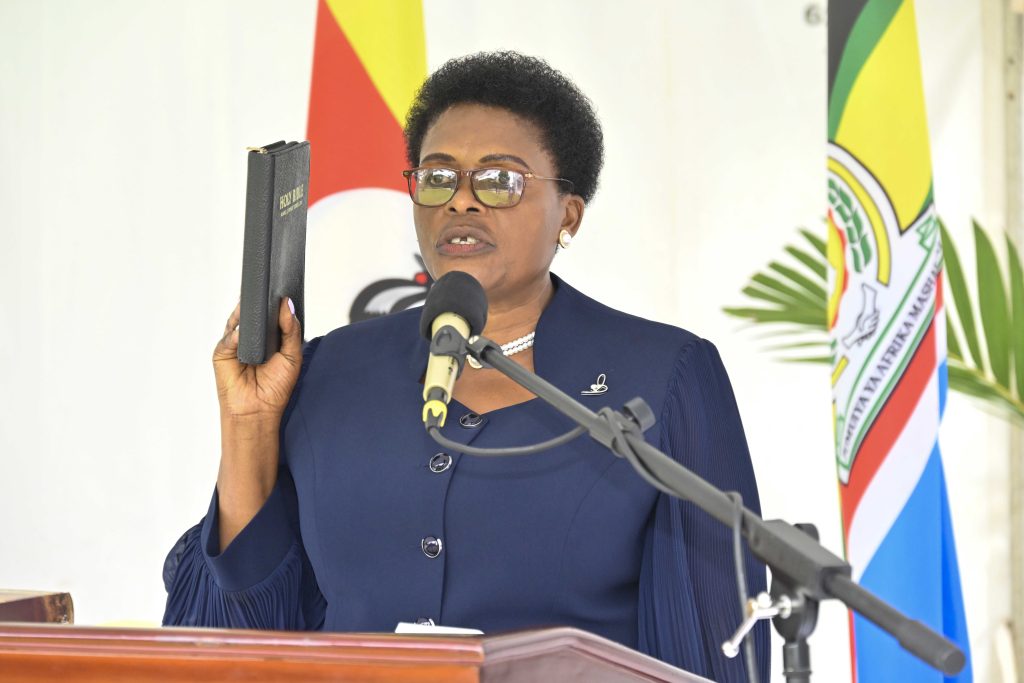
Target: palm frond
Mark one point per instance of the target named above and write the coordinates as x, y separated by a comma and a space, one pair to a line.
1016, 315
799, 297
792, 299
818, 243
813, 289
961, 297
821, 360
796, 315
971, 382
988, 378
952, 343
992, 304
985, 362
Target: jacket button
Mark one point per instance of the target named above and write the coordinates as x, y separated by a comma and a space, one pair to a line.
471, 420
431, 546
440, 462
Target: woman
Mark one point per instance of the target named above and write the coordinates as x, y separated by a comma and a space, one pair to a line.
334, 509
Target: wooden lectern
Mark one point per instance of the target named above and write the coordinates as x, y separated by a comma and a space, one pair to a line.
36, 607
72, 654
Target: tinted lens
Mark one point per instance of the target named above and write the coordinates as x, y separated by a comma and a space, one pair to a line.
433, 186
498, 187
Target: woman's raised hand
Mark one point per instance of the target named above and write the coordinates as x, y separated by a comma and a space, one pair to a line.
257, 393
252, 403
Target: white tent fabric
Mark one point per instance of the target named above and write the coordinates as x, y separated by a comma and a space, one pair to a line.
122, 130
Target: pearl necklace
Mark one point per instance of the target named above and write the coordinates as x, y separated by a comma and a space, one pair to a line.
517, 345
510, 349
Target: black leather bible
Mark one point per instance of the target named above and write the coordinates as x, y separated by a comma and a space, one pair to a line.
274, 252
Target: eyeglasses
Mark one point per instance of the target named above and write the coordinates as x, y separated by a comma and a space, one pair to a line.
498, 188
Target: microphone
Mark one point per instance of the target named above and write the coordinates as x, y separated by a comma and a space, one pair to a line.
455, 305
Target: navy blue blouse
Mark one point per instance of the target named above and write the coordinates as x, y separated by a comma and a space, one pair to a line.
372, 523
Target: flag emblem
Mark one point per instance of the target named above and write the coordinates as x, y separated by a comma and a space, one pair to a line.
884, 314
369, 58
888, 335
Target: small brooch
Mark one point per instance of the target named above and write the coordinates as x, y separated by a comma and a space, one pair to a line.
597, 388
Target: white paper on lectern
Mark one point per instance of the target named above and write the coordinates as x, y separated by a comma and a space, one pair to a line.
431, 629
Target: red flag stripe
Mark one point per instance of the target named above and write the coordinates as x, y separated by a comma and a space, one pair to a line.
356, 141
889, 424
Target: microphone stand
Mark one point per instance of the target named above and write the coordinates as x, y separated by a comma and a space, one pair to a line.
803, 571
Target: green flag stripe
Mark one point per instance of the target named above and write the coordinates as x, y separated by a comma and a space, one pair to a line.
842, 15
928, 200
866, 32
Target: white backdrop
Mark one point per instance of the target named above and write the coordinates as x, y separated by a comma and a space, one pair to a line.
122, 130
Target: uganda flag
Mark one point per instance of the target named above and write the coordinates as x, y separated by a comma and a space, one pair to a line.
369, 58
887, 331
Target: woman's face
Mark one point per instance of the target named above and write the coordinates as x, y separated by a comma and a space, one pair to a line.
513, 246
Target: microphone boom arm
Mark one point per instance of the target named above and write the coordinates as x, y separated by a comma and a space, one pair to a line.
806, 568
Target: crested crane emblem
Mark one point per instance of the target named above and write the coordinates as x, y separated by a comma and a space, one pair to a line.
391, 295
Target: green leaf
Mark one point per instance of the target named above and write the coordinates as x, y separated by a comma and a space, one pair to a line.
967, 381
795, 295
952, 343
793, 321
816, 242
961, 298
1016, 315
813, 288
972, 382
765, 295
796, 316
764, 315
782, 330
817, 266
812, 344
992, 305
809, 359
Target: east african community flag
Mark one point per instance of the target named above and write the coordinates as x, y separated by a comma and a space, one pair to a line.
369, 58
888, 338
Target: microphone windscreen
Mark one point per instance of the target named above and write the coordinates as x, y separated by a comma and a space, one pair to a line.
458, 293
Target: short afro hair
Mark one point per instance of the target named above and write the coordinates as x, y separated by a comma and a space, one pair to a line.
528, 87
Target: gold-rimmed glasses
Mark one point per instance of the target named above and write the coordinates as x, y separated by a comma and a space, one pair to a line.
498, 188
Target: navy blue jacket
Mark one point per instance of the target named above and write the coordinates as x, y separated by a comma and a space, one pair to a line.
361, 532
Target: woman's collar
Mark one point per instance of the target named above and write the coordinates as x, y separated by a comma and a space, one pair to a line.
551, 342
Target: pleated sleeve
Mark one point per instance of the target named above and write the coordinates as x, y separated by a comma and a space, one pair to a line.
262, 580
688, 599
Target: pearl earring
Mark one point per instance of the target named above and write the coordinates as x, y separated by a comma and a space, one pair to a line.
564, 239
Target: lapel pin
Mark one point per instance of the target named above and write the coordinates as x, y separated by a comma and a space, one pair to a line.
597, 388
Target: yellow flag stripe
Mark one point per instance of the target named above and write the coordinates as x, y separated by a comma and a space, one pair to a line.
388, 38
836, 258
838, 372
874, 218
869, 24
884, 124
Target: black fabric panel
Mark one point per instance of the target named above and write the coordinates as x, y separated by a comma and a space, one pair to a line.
842, 14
